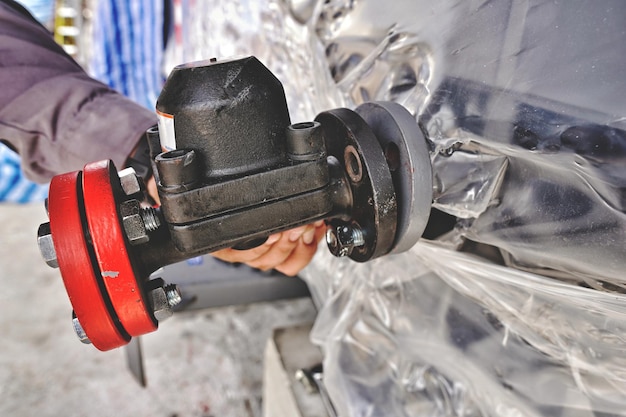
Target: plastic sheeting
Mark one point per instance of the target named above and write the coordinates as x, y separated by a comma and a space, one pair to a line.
516, 310
434, 332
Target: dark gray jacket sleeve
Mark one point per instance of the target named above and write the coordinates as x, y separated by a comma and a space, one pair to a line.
51, 112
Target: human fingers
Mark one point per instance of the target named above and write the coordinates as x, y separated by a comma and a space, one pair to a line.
248, 255
303, 253
305, 240
153, 192
279, 251
312, 232
287, 252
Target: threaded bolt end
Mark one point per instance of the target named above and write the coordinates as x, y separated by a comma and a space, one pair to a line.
173, 294
357, 235
150, 218
343, 239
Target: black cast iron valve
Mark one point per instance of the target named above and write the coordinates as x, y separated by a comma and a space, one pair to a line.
231, 169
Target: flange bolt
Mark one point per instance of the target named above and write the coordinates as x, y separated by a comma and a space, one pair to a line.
46, 246
163, 298
343, 239
173, 294
150, 218
80, 332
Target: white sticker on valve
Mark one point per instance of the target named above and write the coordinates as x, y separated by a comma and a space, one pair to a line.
166, 131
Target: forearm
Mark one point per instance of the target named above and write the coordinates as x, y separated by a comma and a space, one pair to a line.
51, 112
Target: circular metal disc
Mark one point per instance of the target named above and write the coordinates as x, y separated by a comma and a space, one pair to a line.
78, 272
109, 245
352, 142
407, 155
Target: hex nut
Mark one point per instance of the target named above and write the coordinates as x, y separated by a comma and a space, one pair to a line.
46, 246
343, 239
160, 304
130, 182
350, 236
133, 223
78, 329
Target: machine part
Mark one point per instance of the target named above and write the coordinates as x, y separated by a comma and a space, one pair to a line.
107, 237
237, 171
408, 158
81, 276
160, 306
245, 110
173, 295
179, 170
343, 239
206, 282
134, 360
355, 146
304, 377
163, 298
304, 142
182, 206
78, 329
138, 221
352, 162
132, 220
312, 379
130, 182
46, 246
318, 377
150, 219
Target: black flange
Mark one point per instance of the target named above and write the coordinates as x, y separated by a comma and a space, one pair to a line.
374, 205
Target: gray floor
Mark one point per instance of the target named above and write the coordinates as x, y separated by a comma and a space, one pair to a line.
207, 363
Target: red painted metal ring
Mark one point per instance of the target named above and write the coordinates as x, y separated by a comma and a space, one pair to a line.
80, 275
108, 240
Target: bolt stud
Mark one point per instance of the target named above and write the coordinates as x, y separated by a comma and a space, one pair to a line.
343, 239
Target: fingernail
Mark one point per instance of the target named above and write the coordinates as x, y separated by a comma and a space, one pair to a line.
318, 223
295, 234
308, 236
273, 239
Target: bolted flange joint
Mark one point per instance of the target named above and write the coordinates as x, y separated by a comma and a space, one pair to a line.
163, 298
138, 221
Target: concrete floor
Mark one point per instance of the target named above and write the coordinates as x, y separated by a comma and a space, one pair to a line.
206, 363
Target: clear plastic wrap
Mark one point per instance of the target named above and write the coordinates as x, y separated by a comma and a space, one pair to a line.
516, 309
436, 332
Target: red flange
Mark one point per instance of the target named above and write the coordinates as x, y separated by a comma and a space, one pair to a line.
109, 244
80, 276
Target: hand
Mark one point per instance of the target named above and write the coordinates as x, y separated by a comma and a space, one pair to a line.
287, 252
152, 190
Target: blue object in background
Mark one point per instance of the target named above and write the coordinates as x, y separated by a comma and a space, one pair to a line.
127, 51
198, 260
128, 48
14, 186
42, 10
